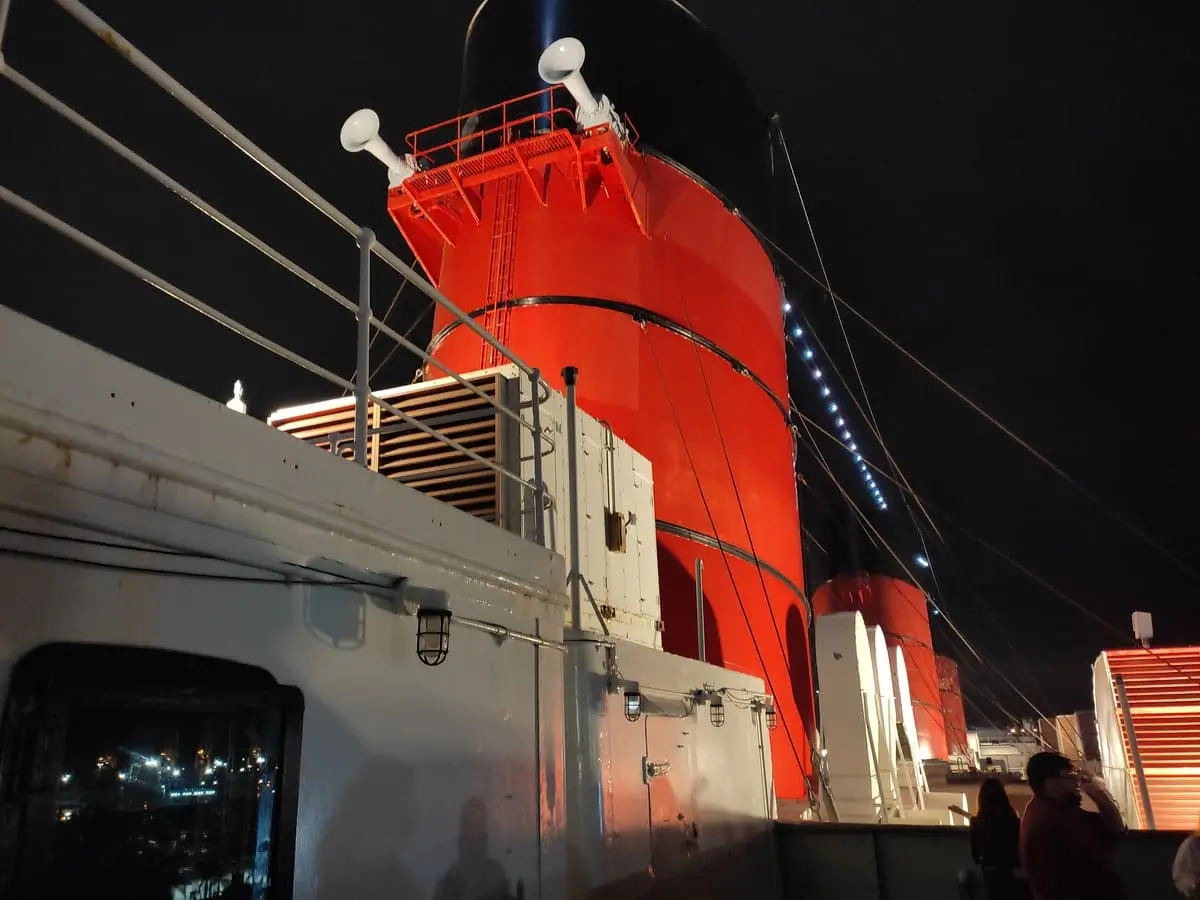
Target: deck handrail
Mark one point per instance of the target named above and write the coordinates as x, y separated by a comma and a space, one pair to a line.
538, 109
368, 247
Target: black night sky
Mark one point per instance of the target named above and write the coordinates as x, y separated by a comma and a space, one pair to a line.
1007, 190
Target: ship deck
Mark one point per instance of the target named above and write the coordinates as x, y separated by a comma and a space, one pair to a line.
823, 861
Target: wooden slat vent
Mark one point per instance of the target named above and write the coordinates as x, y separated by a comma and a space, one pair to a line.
403, 453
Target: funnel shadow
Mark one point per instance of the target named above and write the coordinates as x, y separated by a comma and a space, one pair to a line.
677, 584
799, 663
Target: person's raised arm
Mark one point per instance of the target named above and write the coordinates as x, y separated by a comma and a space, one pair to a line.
1106, 806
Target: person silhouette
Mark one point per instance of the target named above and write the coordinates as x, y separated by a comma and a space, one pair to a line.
474, 875
995, 843
1186, 870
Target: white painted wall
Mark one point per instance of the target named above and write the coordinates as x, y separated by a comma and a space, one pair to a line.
1116, 770
849, 715
627, 582
620, 588
715, 800
97, 453
97, 450
911, 773
885, 737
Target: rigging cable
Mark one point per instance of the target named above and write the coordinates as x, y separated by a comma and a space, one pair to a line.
938, 609
375, 335
737, 494
869, 413
877, 538
284, 580
1000, 629
793, 340
395, 344
1005, 713
1123, 520
724, 558
1015, 564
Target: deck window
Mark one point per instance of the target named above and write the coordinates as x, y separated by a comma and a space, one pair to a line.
139, 773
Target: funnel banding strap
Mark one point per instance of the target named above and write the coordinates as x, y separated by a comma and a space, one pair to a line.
707, 540
635, 312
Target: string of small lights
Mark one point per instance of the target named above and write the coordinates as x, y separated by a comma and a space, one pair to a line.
796, 335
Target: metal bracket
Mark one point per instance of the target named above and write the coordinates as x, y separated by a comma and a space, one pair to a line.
653, 769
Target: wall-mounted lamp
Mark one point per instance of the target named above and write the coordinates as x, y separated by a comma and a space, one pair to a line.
716, 711
433, 636
633, 705
772, 719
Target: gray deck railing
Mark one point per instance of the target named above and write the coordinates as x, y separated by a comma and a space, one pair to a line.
907, 862
532, 489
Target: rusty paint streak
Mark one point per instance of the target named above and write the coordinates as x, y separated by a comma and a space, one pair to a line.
110, 37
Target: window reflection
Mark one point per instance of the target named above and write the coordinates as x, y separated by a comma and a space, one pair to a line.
164, 805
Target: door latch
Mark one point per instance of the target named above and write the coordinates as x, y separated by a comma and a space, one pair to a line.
653, 769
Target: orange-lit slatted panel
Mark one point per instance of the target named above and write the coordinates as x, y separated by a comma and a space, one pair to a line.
1163, 686
403, 453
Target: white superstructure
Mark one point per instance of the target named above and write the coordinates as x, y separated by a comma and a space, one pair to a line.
234, 659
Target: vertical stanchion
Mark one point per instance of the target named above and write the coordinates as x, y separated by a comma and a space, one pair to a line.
570, 374
4, 7
539, 489
700, 655
1135, 752
362, 381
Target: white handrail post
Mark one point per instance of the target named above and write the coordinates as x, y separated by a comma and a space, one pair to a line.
5, 5
570, 375
539, 489
362, 381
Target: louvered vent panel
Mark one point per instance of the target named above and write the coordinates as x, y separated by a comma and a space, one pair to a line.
404, 453
1163, 687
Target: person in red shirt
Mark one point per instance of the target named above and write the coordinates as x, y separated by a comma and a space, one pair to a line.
1066, 851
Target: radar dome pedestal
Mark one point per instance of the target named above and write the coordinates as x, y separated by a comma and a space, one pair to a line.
576, 244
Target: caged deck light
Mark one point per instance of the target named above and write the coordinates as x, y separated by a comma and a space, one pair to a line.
633, 705
433, 636
716, 711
